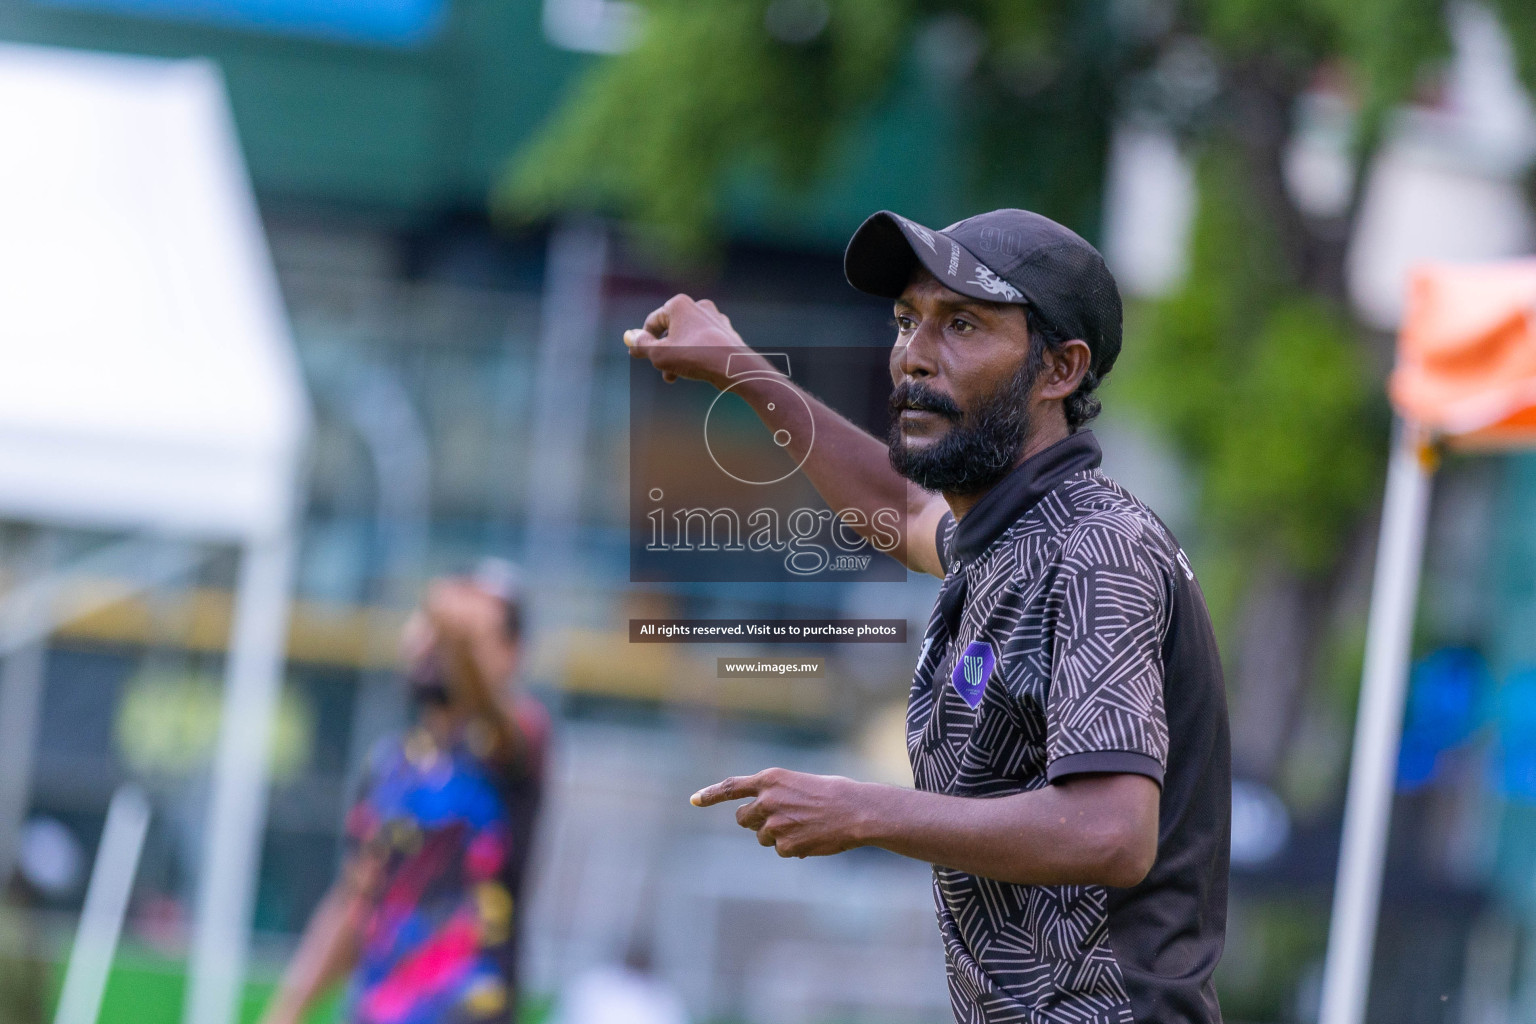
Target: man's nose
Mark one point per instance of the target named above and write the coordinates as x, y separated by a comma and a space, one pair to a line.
915, 357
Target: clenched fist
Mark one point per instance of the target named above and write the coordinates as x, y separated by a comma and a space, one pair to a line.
688, 338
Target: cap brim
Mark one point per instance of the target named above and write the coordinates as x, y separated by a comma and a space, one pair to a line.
887, 247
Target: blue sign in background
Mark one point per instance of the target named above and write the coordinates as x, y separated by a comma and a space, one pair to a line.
389, 22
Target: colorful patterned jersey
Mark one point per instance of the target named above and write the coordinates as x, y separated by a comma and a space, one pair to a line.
441, 838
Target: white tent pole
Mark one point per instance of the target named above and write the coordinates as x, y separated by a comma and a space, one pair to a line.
237, 809
1378, 727
380, 410
106, 902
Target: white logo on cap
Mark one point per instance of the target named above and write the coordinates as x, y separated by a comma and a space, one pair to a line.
954, 259
924, 234
995, 285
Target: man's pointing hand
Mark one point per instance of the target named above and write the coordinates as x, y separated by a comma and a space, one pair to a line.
799, 815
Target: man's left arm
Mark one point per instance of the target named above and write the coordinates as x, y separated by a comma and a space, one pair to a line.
1106, 747
1081, 830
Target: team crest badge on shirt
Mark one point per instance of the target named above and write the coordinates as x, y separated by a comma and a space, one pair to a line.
972, 670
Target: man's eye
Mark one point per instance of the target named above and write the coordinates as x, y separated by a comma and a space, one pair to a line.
960, 326
904, 324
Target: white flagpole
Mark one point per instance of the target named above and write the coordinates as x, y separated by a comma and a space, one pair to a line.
1378, 728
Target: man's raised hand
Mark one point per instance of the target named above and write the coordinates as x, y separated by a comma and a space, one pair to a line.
799, 815
462, 612
688, 338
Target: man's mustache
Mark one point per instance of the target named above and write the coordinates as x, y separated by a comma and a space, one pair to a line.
912, 394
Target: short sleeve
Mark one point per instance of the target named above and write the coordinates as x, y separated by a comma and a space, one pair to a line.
1105, 712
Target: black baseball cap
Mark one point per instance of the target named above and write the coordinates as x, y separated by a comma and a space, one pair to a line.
1002, 256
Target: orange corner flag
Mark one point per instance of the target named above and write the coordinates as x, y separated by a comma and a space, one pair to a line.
1466, 355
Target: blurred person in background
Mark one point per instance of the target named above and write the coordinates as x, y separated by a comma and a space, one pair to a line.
630, 992
49, 863
424, 915
23, 968
1067, 722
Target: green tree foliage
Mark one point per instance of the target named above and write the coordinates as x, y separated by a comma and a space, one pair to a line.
654, 133
1264, 388
658, 133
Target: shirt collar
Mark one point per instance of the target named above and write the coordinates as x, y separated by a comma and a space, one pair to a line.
1019, 491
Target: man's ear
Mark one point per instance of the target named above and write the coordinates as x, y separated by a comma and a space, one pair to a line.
1064, 369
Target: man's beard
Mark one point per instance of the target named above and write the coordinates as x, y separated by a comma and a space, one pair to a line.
979, 448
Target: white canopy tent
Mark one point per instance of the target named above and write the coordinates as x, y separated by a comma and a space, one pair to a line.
148, 385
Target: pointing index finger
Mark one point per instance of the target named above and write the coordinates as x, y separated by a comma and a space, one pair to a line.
733, 788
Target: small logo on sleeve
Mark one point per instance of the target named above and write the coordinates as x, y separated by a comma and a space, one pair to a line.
972, 670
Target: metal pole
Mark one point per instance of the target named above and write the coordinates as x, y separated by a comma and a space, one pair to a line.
380, 409
570, 322
1378, 728
376, 403
106, 902
232, 846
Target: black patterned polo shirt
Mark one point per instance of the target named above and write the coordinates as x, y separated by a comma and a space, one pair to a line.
1071, 637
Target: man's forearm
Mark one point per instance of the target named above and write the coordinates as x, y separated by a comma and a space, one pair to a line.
848, 466
850, 469
1086, 829
326, 953
1078, 834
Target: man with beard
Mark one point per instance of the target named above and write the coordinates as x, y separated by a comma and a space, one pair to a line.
1067, 720
424, 917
